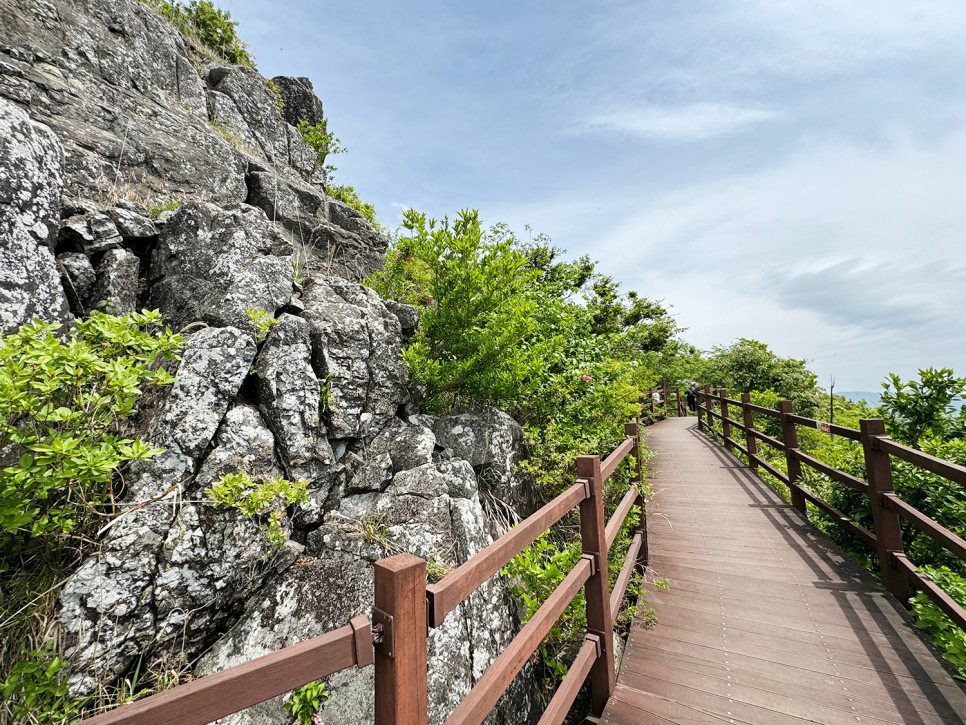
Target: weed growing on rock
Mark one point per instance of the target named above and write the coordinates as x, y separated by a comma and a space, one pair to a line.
262, 320
259, 500
350, 197
306, 701
322, 140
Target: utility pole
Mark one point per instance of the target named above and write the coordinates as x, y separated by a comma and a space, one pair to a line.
831, 407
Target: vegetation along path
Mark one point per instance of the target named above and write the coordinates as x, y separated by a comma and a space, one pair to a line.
765, 620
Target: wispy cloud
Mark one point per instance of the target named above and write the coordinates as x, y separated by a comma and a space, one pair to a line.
693, 122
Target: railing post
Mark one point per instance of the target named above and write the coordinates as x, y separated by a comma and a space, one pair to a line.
790, 439
603, 678
399, 620
725, 425
677, 395
631, 431
751, 443
888, 534
707, 400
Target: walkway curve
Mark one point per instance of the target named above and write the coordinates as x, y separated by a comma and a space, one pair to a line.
766, 620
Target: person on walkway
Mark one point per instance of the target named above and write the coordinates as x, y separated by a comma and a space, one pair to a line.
692, 402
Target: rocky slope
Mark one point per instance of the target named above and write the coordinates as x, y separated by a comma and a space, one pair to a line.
108, 117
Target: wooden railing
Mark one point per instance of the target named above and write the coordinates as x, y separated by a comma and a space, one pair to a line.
395, 638
663, 402
232, 690
888, 510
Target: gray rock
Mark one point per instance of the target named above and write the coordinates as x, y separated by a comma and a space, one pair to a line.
214, 557
30, 187
492, 442
290, 397
116, 82
107, 611
356, 345
346, 253
214, 363
80, 280
211, 264
407, 315
256, 119
89, 233
299, 99
292, 610
132, 223
117, 282
293, 204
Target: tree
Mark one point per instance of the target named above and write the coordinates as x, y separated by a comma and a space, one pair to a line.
924, 408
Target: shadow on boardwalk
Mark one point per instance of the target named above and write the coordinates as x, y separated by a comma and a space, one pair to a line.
766, 620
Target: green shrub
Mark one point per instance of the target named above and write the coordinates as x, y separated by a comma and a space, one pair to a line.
213, 27
931, 619
479, 337
61, 404
319, 138
349, 196
35, 691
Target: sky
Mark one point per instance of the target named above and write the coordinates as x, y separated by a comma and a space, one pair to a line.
788, 171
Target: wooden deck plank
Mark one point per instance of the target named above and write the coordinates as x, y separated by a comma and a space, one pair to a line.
765, 621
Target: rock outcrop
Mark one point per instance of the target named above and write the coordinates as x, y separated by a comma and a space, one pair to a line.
135, 172
30, 186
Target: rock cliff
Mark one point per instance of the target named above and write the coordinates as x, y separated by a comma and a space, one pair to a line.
137, 171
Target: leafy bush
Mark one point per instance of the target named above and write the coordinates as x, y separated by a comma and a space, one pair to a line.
479, 337
322, 140
35, 691
213, 27
259, 499
349, 196
62, 401
931, 619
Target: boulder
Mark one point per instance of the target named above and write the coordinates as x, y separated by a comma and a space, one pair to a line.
78, 278
30, 186
117, 282
357, 345
212, 264
492, 442
213, 365
299, 100
117, 83
132, 222
214, 557
291, 397
243, 105
108, 608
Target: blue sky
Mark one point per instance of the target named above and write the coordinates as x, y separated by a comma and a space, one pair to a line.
794, 172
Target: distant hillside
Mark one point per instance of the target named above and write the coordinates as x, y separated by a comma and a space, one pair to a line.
856, 395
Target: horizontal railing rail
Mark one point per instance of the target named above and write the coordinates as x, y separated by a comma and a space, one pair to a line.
236, 688
888, 509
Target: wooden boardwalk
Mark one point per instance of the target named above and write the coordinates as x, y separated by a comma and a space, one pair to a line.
765, 620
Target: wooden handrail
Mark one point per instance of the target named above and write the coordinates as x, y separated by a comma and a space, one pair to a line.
447, 594
898, 573
477, 704
620, 514
610, 464
565, 695
232, 690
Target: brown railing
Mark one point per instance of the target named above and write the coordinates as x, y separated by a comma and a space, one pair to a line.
395, 638
232, 690
663, 402
888, 510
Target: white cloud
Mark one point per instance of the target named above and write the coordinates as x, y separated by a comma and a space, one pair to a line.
682, 123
